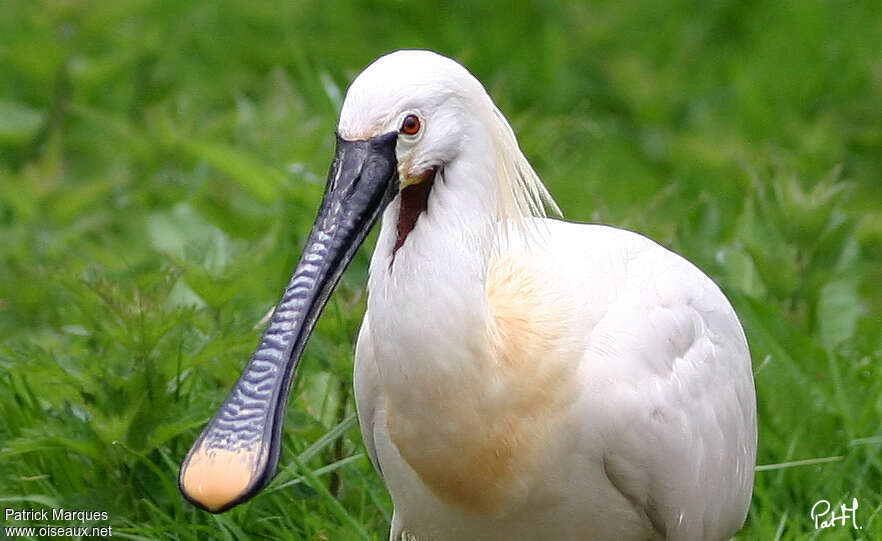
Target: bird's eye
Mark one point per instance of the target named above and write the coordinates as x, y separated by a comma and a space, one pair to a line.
411, 125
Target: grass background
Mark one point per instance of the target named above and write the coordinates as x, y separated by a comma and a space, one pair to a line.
161, 163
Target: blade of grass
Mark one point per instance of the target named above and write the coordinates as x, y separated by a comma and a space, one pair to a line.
797, 463
332, 502
324, 470
328, 438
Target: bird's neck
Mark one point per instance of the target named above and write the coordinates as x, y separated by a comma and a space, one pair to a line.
427, 299
430, 287
456, 350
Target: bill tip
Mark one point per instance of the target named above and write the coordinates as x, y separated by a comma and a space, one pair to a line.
217, 479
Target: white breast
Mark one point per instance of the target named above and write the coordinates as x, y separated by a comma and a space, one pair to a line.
652, 429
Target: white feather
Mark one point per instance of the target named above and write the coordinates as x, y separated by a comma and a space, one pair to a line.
637, 421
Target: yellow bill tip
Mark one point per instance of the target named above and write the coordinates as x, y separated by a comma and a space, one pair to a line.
217, 479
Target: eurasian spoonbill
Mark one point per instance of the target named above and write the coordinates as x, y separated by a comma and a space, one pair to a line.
516, 377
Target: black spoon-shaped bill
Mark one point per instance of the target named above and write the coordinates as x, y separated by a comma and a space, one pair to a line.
237, 453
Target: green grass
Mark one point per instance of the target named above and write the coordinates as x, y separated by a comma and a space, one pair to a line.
161, 163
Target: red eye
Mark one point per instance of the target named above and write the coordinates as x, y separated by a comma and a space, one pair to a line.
411, 125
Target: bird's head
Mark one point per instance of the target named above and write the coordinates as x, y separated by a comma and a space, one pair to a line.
432, 104
441, 120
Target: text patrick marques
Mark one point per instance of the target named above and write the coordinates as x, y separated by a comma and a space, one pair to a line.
38, 517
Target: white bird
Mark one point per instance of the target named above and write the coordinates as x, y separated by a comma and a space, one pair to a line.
516, 377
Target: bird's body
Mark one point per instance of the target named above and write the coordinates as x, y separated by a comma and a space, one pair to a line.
516, 377
627, 402
539, 379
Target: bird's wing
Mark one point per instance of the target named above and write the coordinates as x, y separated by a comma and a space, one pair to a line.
671, 369
367, 390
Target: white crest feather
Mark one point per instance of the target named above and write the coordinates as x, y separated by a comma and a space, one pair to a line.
521, 192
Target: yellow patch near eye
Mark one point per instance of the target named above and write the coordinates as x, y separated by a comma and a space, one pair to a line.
217, 477
407, 178
409, 181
